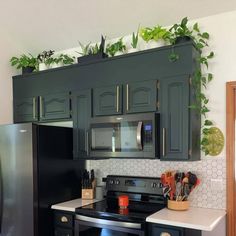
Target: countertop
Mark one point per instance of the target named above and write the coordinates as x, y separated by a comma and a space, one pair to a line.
194, 218
73, 204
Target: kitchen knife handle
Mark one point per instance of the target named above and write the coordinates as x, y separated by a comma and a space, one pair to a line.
34, 108
163, 142
139, 135
127, 97
117, 98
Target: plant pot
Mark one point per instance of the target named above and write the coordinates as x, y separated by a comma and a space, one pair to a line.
119, 53
154, 44
56, 65
183, 39
27, 70
92, 57
43, 66
132, 50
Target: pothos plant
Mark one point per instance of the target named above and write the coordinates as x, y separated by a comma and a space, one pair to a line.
201, 76
113, 48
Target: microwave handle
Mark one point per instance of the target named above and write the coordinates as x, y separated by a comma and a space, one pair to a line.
139, 135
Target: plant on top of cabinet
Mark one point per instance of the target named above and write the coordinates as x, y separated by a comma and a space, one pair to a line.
180, 33
134, 42
154, 37
115, 49
45, 59
92, 53
27, 63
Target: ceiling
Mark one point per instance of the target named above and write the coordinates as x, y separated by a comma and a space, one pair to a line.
56, 24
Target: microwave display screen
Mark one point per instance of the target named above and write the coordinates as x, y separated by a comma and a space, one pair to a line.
148, 127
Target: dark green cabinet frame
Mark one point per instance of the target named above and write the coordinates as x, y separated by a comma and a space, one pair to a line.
138, 76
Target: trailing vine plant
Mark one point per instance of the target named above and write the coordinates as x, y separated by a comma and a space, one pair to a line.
201, 77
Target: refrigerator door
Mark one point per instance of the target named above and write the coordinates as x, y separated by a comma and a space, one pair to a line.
16, 185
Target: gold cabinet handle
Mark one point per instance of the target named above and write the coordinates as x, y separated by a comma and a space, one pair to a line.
64, 219
117, 98
40, 107
165, 234
34, 108
163, 142
127, 97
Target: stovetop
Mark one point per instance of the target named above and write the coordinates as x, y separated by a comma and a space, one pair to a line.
136, 212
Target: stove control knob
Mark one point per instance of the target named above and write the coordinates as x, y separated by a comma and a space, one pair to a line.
111, 181
154, 185
117, 182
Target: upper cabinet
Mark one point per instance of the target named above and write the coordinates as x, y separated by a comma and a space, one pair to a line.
133, 97
146, 81
42, 108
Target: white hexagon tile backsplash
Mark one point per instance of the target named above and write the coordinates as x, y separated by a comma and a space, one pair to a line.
208, 169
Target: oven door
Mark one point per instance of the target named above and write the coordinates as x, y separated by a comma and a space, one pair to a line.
89, 226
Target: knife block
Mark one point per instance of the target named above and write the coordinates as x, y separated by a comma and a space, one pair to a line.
89, 193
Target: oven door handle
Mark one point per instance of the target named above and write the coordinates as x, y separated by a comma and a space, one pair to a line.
139, 135
109, 222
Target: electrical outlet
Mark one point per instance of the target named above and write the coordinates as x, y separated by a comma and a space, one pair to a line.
217, 185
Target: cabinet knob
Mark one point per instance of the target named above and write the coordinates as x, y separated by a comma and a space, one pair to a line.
64, 219
165, 234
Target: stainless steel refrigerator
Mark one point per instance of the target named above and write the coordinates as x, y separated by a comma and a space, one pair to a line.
36, 171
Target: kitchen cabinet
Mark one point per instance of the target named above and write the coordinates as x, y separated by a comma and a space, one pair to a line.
177, 119
138, 97
81, 107
42, 108
141, 96
107, 100
63, 223
166, 230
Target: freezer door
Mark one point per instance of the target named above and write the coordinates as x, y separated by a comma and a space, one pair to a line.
16, 175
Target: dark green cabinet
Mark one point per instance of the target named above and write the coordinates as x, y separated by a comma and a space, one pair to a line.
175, 94
141, 96
107, 100
26, 109
166, 230
137, 97
63, 223
42, 108
81, 107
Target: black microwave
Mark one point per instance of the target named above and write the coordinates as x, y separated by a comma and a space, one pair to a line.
126, 136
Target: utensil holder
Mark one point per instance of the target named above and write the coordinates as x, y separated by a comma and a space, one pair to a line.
88, 194
178, 205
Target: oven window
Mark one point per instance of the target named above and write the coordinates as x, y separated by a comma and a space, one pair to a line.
93, 231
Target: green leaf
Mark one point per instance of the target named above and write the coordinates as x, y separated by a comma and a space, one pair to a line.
184, 22
211, 55
195, 27
210, 77
208, 123
205, 35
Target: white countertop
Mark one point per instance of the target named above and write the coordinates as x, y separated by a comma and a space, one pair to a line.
194, 218
73, 204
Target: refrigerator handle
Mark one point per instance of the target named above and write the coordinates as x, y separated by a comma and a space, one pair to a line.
1, 198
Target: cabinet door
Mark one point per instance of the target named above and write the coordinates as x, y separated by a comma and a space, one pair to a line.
174, 108
54, 106
26, 110
166, 231
141, 96
107, 100
81, 107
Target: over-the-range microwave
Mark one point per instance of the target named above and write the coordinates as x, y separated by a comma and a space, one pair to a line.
126, 136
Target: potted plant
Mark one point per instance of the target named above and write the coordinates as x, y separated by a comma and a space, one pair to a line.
92, 53
155, 37
27, 63
61, 60
134, 43
45, 59
116, 49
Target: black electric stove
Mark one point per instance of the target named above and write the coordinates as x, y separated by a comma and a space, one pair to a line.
146, 197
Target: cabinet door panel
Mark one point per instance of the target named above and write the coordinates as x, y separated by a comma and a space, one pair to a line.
54, 106
26, 110
174, 109
107, 100
81, 107
141, 96
165, 231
